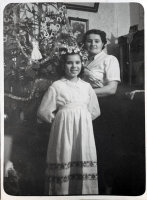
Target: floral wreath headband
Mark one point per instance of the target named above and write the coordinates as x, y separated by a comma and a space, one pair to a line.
69, 50
74, 49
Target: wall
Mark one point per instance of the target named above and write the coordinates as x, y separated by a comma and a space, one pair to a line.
137, 15
114, 18
105, 19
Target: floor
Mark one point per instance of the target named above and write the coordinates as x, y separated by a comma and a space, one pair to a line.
120, 142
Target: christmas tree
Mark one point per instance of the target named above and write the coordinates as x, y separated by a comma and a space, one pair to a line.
34, 36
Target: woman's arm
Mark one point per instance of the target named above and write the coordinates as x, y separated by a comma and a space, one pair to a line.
93, 105
107, 90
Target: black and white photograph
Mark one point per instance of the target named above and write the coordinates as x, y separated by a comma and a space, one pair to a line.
73, 100
79, 27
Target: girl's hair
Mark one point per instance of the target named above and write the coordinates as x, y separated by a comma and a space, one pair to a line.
63, 60
102, 34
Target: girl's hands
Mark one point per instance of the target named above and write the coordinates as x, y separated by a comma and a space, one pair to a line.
51, 117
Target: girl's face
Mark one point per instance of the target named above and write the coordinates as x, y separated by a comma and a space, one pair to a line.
94, 44
73, 66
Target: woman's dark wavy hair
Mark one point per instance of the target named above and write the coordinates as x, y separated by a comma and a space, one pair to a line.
62, 62
102, 34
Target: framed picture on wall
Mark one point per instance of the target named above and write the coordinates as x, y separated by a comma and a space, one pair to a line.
90, 7
79, 26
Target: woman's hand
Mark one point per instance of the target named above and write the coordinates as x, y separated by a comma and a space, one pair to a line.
87, 72
88, 75
109, 89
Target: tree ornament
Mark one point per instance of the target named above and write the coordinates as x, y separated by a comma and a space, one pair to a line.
35, 55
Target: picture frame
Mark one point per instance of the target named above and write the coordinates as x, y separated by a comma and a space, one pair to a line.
90, 7
79, 26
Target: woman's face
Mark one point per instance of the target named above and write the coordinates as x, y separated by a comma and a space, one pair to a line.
73, 66
94, 44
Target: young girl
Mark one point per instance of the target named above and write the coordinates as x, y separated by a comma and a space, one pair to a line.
70, 104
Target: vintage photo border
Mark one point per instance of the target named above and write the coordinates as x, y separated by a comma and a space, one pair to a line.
4, 196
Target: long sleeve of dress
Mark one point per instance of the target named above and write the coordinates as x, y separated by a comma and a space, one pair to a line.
48, 105
93, 105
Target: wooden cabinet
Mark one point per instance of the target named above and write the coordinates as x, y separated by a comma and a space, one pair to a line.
132, 59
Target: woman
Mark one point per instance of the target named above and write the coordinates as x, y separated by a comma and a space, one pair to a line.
102, 70
103, 73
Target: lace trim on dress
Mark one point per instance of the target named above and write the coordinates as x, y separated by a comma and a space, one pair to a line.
61, 179
73, 164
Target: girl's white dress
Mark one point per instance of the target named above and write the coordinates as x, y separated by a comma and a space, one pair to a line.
71, 154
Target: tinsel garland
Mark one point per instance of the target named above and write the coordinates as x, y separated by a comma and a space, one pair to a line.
23, 52
29, 57
44, 60
25, 98
57, 26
